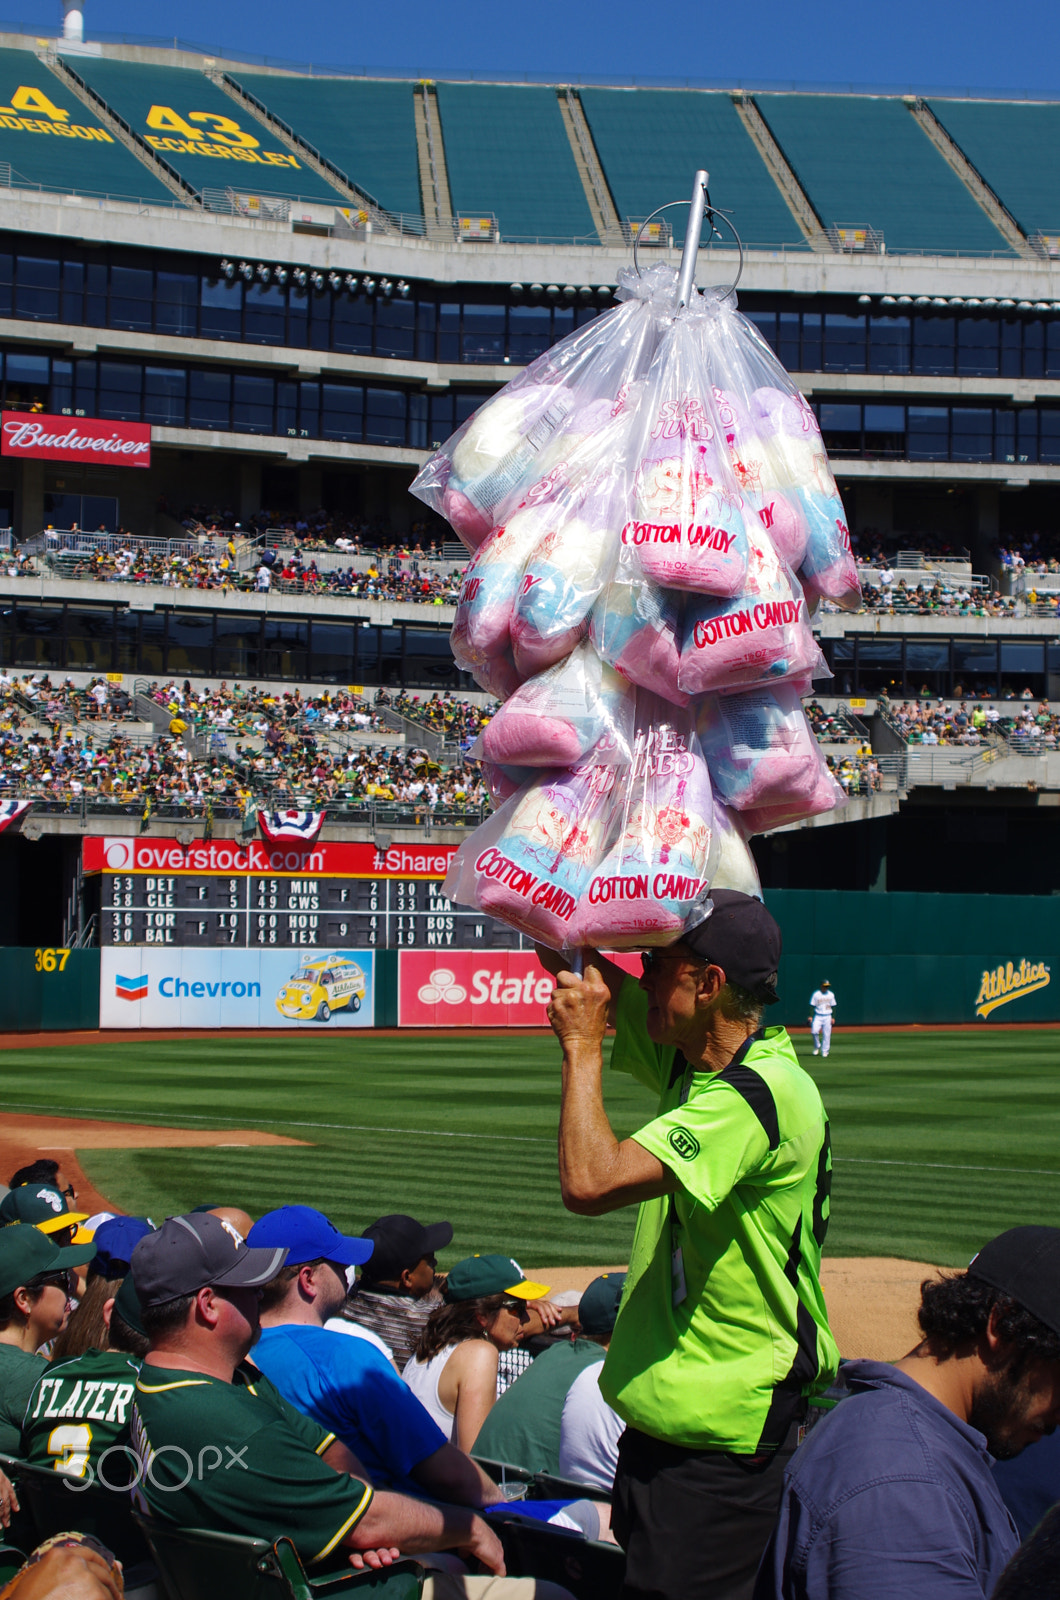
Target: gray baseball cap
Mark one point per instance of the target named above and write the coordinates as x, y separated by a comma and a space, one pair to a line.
188, 1253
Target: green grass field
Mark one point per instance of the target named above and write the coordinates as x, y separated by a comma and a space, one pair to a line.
940, 1139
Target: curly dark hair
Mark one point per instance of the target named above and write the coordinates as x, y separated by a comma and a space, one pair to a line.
1031, 1574
453, 1323
955, 1309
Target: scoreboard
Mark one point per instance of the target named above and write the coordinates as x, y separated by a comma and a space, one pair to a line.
260, 896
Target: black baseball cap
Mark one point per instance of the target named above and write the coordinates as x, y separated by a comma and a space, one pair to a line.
188, 1253
400, 1242
1024, 1263
743, 940
598, 1306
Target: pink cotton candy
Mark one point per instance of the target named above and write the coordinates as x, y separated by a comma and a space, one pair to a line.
826, 796
759, 746
763, 635
465, 518
482, 626
635, 627
581, 707
782, 518
687, 530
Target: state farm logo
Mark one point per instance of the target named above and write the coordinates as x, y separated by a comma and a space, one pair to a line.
442, 986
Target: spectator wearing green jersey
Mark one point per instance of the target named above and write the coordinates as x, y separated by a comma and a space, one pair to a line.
722, 1336
36, 1281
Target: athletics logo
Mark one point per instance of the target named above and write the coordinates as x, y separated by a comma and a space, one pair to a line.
1009, 982
683, 1144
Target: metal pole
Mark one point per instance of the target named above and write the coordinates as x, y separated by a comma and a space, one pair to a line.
687, 276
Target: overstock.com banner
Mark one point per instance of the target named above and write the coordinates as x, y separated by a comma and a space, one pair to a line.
477, 989
182, 988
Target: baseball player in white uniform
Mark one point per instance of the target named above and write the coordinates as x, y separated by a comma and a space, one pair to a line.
822, 1002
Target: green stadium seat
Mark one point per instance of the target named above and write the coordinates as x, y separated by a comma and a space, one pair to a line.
199, 1565
52, 140
1015, 148
589, 1568
864, 162
199, 131
507, 152
54, 1506
650, 142
366, 129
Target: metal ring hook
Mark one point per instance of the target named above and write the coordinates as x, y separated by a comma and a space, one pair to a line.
711, 213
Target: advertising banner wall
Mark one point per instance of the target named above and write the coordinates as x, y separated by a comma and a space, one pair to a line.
326, 858
45, 438
185, 988
477, 988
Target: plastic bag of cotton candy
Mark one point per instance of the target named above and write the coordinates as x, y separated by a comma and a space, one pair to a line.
613, 857
761, 750
579, 710
777, 453
522, 445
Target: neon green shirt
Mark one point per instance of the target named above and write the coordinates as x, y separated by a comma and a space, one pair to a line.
726, 1366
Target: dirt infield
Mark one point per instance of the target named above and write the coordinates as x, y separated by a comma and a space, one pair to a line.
24, 1139
872, 1300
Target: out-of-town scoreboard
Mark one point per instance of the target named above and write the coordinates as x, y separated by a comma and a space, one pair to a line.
253, 895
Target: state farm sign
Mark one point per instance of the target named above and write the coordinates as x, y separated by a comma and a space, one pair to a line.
477, 989
41, 438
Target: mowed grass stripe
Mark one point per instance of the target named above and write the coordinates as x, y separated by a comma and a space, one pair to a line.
940, 1139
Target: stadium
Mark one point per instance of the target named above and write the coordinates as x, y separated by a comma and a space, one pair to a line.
241, 306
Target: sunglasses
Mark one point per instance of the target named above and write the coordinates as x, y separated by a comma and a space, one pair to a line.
652, 960
58, 1280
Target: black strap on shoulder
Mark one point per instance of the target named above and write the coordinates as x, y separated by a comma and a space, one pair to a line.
754, 1089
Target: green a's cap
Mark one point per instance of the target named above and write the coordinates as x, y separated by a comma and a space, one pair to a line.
25, 1253
478, 1276
598, 1306
127, 1305
41, 1204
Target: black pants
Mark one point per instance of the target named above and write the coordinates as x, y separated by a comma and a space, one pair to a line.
694, 1523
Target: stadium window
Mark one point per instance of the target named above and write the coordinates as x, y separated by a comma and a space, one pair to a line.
99, 513
933, 339
586, 314
285, 649
449, 332
1011, 348
426, 318
176, 303
209, 399
1004, 435
1052, 348
529, 332
152, 645
368, 653
1049, 437
342, 412
978, 352
297, 317
37, 289
484, 333
287, 409
764, 321
391, 653
264, 313
395, 329
221, 308
131, 298
440, 425
333, 654
841, 429
879, 664
319, 319
308, 410
1034, 348
562, 322
7, 283
927, 666
253, 403
165, 396
885, 431
927, 433
788, 345
844, 343
972, 433
89, 638
73, 291
812, 344
384, 419
85, 387
889, 340
429, 660
1022, 666
120, 383
351, 327
62, 387
1027, 434
975, 666
96, 294
62, 511
1052, 668
127, 641
38, 632
465, 403
417, 435
237, 644
189, 647
26, 381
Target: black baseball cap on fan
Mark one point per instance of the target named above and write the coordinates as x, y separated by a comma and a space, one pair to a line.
743, 940
400, 1242
188, 1253
1025, 1264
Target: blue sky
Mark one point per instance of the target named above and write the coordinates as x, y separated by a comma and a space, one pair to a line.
906, 44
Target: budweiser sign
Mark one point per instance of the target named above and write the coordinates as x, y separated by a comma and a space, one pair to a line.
40, 438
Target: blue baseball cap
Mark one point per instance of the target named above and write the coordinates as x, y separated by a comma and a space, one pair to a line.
307, 1235
115, 1241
